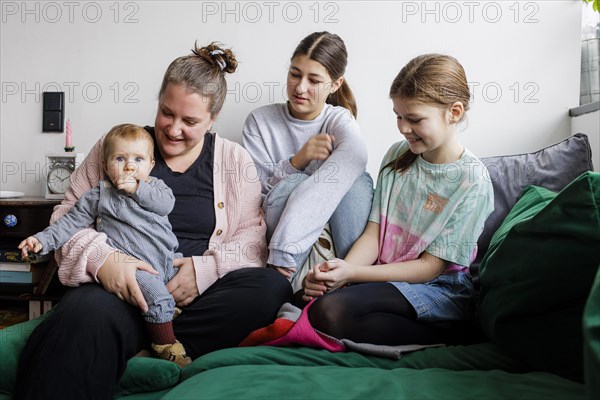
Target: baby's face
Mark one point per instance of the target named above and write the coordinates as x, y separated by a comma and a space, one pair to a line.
130, 159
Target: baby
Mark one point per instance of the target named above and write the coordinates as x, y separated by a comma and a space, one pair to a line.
132, 209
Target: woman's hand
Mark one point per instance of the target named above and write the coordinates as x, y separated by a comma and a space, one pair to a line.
117, 275
318, 147
183, 286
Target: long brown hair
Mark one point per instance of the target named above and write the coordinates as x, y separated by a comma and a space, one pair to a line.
203, 72
429, 79
329, 50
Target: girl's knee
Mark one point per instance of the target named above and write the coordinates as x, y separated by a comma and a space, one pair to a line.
327, 312
284, 188
360, 194
363, 184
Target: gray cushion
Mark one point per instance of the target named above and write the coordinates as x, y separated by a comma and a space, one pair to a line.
553, 168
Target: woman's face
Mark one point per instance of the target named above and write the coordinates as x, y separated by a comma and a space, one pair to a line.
182, 119
308, 85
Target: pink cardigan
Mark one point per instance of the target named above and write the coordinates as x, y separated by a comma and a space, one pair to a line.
237, 242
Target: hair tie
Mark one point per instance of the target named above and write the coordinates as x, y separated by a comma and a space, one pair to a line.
222, 64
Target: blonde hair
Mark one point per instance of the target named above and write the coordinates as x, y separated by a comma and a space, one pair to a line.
128, 132
203, 72
429, 79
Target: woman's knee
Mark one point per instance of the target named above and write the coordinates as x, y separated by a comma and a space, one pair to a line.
279, 290
277, 280
267, 283
91, 306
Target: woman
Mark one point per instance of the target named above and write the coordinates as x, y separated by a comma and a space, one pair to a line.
218, 224
314, 134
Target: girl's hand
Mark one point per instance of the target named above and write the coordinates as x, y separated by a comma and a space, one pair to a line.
312, 286
183, 286
287, 272
334, 274
117, 275
318, 147
30, 244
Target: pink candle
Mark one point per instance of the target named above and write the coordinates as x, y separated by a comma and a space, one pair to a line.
68, 134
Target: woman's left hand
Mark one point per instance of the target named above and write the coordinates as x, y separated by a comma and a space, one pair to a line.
334, 274
183, 285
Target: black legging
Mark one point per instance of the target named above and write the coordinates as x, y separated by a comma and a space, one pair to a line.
81, 349
371, 313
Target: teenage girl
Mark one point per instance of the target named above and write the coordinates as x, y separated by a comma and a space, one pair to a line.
310, 157
430, 204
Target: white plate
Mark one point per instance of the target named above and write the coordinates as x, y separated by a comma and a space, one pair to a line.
7, 194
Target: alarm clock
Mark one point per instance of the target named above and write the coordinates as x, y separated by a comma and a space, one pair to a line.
59, 167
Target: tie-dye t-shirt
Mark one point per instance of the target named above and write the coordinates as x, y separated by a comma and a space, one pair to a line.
438, 208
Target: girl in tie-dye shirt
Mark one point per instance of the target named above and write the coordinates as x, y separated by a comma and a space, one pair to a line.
408, 273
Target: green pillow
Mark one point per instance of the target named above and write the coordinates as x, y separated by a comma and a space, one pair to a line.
591, 334
142, 374
12, 342
538, 272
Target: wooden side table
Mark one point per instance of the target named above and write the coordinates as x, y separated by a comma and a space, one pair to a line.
20, 218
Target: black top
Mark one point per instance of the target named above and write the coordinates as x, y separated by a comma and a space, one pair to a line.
193, 216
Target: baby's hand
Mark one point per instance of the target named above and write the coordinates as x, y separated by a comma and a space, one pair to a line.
30, 244
127, 183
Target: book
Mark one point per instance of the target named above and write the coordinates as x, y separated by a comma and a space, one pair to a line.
14, 255
14, 269
14, 266
32, 276
10, 256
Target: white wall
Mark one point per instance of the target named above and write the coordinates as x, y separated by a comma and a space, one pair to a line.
590, 125
523, 60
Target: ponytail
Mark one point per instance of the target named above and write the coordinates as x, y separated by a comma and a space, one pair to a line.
203, 72
344, 97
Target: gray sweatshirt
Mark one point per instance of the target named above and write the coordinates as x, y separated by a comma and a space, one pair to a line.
272, 136
137, 225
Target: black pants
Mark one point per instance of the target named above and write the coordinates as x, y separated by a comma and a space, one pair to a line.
379, 313
81, 350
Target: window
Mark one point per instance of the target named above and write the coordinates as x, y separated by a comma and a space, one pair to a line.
590, 55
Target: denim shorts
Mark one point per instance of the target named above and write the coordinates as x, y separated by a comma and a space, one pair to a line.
449, 297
